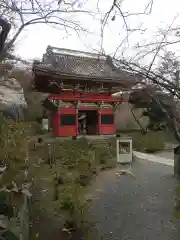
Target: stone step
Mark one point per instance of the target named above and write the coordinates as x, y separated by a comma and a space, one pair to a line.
152, 158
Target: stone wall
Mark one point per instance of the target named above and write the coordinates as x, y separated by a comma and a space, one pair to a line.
125, 120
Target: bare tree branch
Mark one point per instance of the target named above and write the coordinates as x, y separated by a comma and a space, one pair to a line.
144, 131
117, 10
24, 13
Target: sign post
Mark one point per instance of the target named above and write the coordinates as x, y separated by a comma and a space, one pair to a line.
124, 150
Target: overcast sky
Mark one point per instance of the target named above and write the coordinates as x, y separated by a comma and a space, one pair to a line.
33, 41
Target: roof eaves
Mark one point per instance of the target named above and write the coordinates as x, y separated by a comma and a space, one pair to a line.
78, 76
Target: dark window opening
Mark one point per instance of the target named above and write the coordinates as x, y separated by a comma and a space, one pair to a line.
68, 120
107, 119
88, 122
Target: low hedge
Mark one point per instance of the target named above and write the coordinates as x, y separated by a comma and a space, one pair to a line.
150, 142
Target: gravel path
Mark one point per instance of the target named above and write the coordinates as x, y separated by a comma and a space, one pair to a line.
138, 208
166, 154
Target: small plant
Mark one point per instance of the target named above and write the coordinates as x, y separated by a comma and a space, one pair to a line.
176, 209
67, 204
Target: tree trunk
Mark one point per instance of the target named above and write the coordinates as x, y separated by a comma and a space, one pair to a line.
177, 162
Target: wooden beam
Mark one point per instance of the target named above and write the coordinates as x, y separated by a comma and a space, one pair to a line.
106, 99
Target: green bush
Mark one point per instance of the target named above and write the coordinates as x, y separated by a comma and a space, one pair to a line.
73, 202
14, 137
176, 210
150, 142
105, 154
153, 142
14, 141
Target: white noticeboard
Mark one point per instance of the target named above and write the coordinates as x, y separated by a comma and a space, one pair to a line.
124, 150
45, 124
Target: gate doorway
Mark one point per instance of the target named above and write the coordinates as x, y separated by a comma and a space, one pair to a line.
88, 123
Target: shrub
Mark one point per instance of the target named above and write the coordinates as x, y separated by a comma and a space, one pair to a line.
105, 152
150, 142
176, 209
58, 171
73, 201
153, 142
14, 147
36, 128
67, 168
14, 139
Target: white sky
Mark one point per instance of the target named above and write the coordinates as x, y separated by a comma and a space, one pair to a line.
33, 41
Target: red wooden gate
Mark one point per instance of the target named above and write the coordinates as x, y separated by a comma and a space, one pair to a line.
68, 123
106, 121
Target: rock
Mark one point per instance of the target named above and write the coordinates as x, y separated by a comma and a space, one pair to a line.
12, 100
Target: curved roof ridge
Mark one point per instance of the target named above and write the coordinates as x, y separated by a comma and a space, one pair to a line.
77, 53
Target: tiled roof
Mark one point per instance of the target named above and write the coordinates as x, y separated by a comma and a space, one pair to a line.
69, 62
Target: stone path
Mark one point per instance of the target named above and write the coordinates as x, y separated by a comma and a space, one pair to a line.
154, 158
165, 154
138, 208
